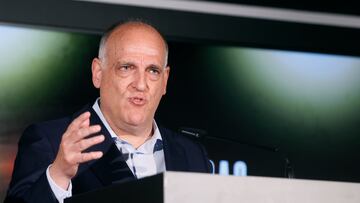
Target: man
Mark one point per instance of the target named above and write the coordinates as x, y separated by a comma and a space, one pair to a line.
116, 138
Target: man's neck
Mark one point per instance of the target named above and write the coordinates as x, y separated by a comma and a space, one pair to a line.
136, 137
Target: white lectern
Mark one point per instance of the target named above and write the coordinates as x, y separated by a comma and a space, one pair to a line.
179, 187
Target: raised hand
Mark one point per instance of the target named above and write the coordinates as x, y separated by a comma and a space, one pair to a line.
74, 141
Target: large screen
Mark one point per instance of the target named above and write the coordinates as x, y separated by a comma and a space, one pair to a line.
273, 110
272, 106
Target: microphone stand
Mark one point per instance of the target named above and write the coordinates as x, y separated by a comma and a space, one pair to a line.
200, 134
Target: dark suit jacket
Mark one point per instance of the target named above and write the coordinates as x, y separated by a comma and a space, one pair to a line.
39, 144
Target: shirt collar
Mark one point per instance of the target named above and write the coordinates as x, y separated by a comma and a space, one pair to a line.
148, 147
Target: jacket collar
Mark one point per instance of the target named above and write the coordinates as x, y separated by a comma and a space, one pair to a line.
175, 157
106, 166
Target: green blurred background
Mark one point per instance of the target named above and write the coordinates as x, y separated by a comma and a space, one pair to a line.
43, 75
306, 104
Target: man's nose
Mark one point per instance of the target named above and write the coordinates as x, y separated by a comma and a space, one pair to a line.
139, 82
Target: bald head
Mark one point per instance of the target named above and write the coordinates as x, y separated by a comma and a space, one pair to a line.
131, 73
122, 30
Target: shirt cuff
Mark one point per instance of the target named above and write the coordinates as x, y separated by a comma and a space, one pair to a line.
59, 193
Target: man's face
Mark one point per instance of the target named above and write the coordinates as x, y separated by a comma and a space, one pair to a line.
132, 77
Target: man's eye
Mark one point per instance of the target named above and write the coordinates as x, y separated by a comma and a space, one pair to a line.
125, 67
154, 71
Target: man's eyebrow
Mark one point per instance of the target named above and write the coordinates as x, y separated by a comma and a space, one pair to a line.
159, 67
124, 62
129, 62
154, 66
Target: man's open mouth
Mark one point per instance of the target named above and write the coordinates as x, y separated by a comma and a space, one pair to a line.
139, 101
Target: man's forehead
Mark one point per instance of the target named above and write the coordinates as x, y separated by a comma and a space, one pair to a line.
135, 29
131, 34
136, 41
132, 49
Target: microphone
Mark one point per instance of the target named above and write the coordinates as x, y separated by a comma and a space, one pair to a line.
200, 134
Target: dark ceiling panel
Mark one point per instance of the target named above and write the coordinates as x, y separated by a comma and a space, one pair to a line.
337, 6
188, 26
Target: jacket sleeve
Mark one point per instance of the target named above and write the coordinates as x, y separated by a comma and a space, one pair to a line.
29, 182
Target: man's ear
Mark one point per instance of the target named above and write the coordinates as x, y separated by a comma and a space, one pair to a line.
96, 72
166, 77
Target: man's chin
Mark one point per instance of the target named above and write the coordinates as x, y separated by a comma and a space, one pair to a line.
136, 121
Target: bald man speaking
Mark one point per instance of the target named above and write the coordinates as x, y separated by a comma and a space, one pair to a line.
113, 139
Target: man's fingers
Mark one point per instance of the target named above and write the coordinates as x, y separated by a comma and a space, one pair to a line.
85, 123
84, 132
85, 157
76, 123
86, 143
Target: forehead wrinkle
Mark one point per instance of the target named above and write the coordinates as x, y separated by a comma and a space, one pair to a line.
138, 62
127, 32
122, 28
135, 54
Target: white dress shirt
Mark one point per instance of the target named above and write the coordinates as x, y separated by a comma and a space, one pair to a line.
144, 161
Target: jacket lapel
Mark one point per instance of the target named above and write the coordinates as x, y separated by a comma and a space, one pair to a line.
111, 167
175, 158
